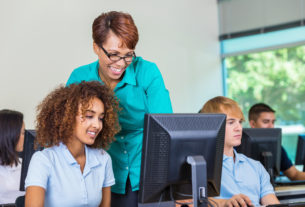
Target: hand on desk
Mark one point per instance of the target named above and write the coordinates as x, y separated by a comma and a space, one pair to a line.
238, 200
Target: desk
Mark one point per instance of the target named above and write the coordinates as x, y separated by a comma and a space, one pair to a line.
165, 204
290, 194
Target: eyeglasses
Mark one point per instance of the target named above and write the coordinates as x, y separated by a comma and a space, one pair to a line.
116, 58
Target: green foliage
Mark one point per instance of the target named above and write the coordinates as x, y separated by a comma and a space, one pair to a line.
276, 78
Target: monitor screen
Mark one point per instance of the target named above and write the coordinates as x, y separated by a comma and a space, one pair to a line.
263, 145
167, 142
28, 151
300, 155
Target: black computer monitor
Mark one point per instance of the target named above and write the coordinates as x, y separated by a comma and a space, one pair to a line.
263, 145
167, 168
28, 151
300, 155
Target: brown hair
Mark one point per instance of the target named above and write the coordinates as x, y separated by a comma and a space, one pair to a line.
56, 114
257, 109
221, 104
121, 24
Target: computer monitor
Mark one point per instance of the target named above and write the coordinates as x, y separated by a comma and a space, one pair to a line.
300, 155
172, 143
263, 145
28, 151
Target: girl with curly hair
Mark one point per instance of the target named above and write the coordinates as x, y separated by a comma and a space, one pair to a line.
73, 124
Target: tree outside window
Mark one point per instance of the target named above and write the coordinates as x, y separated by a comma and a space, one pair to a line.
276, 78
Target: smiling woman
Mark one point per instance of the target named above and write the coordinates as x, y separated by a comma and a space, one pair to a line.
140, 89
73, 124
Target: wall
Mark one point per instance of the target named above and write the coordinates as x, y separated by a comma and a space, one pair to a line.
42, 41
243, 15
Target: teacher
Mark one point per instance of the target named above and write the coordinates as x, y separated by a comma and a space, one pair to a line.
139, 87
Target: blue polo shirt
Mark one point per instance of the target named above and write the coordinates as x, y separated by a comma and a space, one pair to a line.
56, 170
244, 176
140, 91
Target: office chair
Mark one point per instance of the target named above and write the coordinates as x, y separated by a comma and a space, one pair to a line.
20, 201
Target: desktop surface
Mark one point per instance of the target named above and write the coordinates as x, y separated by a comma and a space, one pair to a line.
289, 190
290, 194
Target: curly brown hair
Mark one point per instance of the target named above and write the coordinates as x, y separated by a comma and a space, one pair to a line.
56, 114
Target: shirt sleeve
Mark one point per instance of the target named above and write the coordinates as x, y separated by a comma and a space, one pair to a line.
39, 171
158, 98
285, 161
109, 177
265, 184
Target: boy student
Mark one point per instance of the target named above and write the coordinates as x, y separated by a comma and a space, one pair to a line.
263, 116
244, 181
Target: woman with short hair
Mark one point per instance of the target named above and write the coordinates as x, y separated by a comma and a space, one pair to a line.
139, 87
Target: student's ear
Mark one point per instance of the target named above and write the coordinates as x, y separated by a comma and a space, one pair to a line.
252, 123
96, 48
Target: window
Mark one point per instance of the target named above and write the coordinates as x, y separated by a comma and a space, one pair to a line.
275, 77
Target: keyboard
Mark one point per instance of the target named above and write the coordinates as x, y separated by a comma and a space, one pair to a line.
296, 204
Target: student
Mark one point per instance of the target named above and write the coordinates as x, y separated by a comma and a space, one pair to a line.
244, 181
139, 86
263, 116
73, 123
11, 143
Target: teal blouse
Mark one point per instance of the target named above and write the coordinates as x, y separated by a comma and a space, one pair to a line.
141, 91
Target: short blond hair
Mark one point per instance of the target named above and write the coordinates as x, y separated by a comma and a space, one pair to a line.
221, 104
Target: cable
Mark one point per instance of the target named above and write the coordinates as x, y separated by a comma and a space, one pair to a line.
185, 195
160, 200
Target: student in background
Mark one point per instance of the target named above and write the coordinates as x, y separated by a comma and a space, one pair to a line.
244, 181
139, 86
73, 123
11, 144
263, 116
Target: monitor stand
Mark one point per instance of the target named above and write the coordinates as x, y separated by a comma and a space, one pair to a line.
199, 184
267, 160
199, 180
